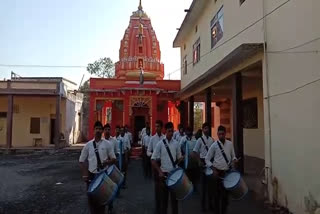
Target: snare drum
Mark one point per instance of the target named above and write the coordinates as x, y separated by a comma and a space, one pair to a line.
235, 185
116, 176
179, 183
102, 190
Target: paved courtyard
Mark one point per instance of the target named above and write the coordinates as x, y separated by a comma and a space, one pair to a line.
50, 183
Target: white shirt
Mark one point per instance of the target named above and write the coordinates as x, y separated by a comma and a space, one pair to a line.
125, 144
178, 136
105, 152
160, 153
153, 143
215, 152
113, 142
175, 133
146, 140
191, 143
201, 148
129, 136
143, 132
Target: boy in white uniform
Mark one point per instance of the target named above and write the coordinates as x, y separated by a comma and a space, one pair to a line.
220, 158
200, 151
161, 153
92, 162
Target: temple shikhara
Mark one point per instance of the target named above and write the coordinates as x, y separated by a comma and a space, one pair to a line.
138, 93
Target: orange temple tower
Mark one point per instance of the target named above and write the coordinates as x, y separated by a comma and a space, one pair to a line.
137, 94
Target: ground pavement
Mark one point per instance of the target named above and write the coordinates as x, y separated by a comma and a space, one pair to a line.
50, 183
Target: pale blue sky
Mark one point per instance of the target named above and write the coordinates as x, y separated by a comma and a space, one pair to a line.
77, 32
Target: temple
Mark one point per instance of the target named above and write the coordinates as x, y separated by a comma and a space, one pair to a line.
137, 94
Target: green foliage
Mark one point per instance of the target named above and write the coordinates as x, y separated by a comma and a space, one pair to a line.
104, 67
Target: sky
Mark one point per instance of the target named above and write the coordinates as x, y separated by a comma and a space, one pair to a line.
78, 32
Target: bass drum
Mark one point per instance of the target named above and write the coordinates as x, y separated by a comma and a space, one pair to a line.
102, 189
235, 185
179, 183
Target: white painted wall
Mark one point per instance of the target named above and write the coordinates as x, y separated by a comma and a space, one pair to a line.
295, 116
73, 108
236, 18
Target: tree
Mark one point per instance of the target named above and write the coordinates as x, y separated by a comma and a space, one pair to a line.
104, 67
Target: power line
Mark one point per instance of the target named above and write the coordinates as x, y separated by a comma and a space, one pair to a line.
294, 52
237, 34
297, 46
293, 90
42, 66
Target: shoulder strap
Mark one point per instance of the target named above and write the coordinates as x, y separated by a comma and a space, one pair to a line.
205, 144
97, 155
169, 153
223, 153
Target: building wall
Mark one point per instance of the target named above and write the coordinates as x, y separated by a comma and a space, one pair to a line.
294, 116
254, 138
73, 118
43, 107
236, 18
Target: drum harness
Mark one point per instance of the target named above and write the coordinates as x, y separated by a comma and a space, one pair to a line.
169, 153
96, 151
224, 154
206, 149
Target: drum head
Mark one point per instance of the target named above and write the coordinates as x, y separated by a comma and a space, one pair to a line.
96, 182
174, 177
231, 180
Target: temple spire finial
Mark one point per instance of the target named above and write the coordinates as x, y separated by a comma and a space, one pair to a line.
140, 5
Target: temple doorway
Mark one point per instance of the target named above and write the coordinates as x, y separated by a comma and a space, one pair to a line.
140, 115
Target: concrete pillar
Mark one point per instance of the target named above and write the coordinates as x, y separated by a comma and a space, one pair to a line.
9, 121
237, 118
208, 107
57, 121
191, 112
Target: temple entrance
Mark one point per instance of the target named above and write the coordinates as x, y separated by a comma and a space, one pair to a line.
140, 115
139, 124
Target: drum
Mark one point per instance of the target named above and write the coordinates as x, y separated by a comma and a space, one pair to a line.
235, 185
102, 190
116, 176
179, 183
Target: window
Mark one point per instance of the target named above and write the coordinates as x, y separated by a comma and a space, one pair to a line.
35, 125
250, 113
196, 52
196, 28
185, 65
217, 28
140, 49
184, 46
241, 2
